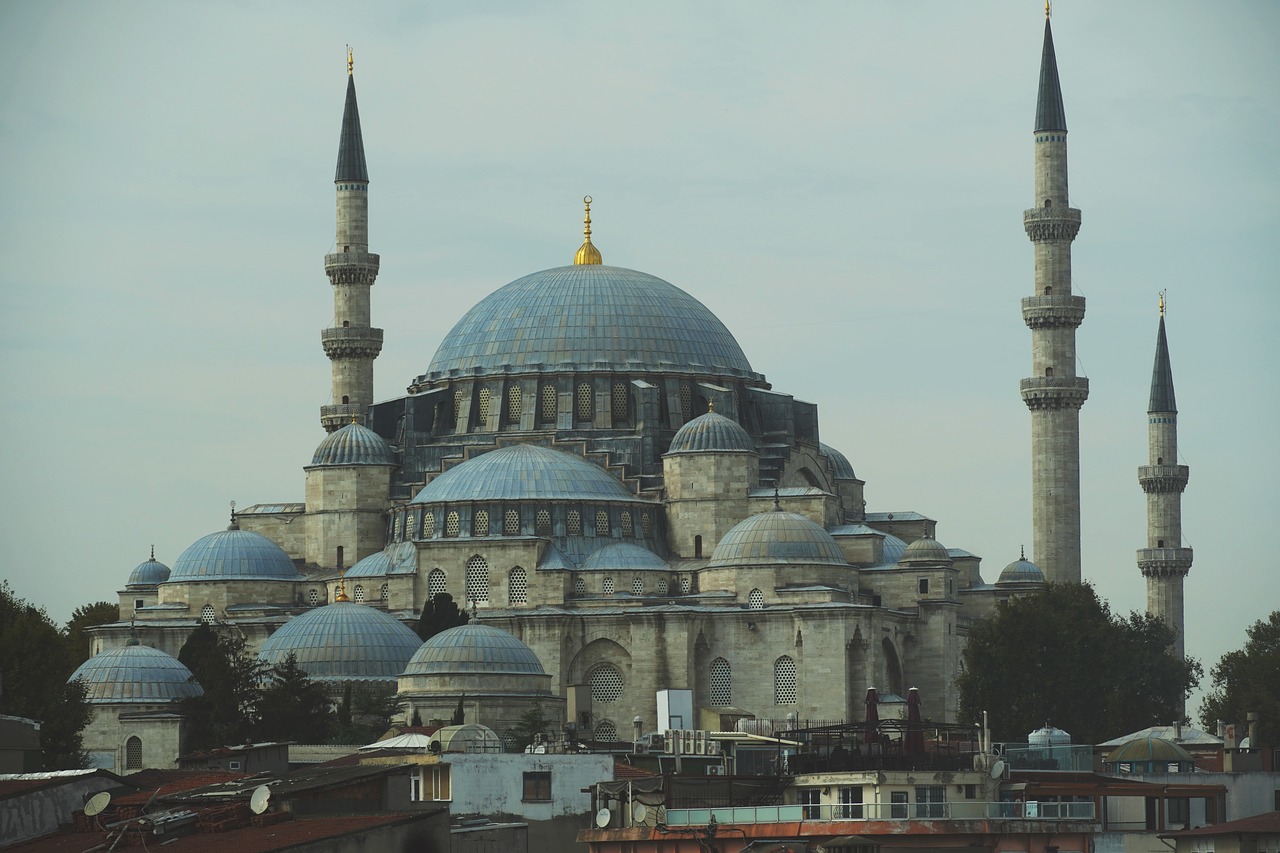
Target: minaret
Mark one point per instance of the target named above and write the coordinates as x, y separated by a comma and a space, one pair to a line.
1164, 562
1053, 392
352, 344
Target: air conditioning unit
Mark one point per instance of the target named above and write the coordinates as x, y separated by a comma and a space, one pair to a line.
640, 747
672, 737
657, 742
713, 747
699, 742
686, 737
715, 770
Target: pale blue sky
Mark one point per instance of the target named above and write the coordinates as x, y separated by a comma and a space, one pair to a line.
842, 183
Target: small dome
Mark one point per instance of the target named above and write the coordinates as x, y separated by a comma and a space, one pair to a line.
710, 433
776, 537
398, 558
344, 641
1047, 735
839, 462
1149, 748
233, 554
474, 649
1021, 570
525, 472
136, 675
354, 444
150, 573
626, 556
925, 550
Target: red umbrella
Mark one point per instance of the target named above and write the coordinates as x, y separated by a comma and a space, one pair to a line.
915, 725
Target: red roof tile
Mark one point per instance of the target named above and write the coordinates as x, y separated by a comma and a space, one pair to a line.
163, 783
622, 770
1268, 823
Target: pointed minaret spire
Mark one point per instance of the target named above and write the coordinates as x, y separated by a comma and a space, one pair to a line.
1162, 399
1049, 112
351, 165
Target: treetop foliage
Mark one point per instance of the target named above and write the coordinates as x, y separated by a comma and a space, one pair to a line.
440, 614
1248, 680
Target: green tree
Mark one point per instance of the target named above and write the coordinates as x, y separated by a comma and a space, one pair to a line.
293, 707
440, 614
87, 616
1247, 680
531, 723
1060, 656
227, 713
35, 664
364, 714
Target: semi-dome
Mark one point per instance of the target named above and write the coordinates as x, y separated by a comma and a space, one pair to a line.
1021, 570
776, 537
354, 444
588, 317
233, 554
925, 550
625, 556
711, 433
136, 675
398, 558
150, 573
474, 649
344, 641
1149, 748
527, 472
839, 462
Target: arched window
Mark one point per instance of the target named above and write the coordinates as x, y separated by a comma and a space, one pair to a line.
606, 586
784, 681
755, 600
478, 580
1048, 371
606, 683
627, 528
457, 404
663, 585
385, 592
543, 523
575, 523
133, 753
548, 414
511, 522
645, 523
686, 584
686, 402
637, 585
482, 406
517, 592
313, 596
605, 730
602, 523
428, 524
359, 593
435, 583
619, 401
451, 525
480, 524
721, 683
585, 403
207, 615
514, 404
697, 545
579, 586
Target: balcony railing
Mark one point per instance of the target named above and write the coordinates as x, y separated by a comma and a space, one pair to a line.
965, 810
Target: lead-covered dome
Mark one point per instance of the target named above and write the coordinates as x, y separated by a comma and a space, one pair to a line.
477, 649
150, 573
840, 466
525, 472
776, 537
926, 549
588, 317
233, 554
711, 433
354, 444
1021, 570
398, 558
135, 675
344, 641
626, 556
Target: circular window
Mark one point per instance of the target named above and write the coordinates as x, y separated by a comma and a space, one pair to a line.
606, 683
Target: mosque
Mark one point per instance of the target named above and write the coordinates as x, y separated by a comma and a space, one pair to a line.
625, 504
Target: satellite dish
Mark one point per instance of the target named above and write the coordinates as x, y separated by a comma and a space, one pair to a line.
261, 797
997, 769
602, 818
97, 803
639, 812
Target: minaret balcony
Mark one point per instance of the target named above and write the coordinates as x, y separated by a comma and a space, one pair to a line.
339, 415
1164, 562
1163, 478
1053, 312
1054, 392
351, 267
351, 342
1051, 223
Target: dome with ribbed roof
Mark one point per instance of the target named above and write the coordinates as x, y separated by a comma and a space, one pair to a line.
233, 554
525, 472
354, 444
1149, 749
925, 550
712, 433
344, 641
135, 675
839, 462
150, 573
625, 556
398, 558
474, 648
589, 317
1021, 570
776, 537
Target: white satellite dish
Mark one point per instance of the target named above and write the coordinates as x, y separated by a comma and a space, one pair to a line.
997, 769
639, 812
261, 797
97, 803
602, 818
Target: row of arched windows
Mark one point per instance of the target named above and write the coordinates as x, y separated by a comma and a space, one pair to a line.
416, 524
662, 586
720, 682
548, 410
476, 582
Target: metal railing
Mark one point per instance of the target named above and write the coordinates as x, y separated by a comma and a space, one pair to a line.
964, 810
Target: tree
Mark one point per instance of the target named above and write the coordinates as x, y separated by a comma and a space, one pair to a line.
35, 664
87, 616
1248, 680
531, 723
293, 707
440, 614
227, 713
364, 714
1060, 656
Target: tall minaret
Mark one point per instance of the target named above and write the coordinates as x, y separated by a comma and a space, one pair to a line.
352, 344
1053, 392
1164, 562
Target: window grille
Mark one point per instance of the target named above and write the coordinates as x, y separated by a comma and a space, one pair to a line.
513, 404
395, 526
755, 600
359, 593
517, 591
428, 524
721, 683
483, 405
548, 404
457, 404
207, 616
313, 596
637, 586
619, 401
662, 586
385, 592
481, 523
133, 753
575, 523
606, 730
784, 681
606, 684
686, 584
645, 522
511, 522
686, 402
627, 529
543, 526
435, 583
579, 586
478, 580
607, 586
451, 525
586, 403
602, 523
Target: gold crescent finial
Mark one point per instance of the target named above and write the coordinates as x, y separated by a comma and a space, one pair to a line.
351, 62
1162, 303
587, 253
711, 405
341, 594
1046, 8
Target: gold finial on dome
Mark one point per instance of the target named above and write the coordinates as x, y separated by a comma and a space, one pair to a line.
587, 254
1046, 8
341, 594
711, 405
351, 62
1162, 303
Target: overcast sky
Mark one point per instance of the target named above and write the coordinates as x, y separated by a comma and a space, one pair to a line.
841, 183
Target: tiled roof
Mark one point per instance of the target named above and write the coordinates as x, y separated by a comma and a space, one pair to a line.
1267, 823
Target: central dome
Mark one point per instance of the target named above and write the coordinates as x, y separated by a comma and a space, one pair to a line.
589, 317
